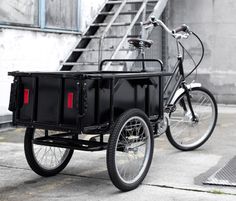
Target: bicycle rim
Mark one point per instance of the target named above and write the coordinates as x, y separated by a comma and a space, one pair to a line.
186, 132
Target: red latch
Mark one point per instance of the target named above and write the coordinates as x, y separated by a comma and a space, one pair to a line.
26, 96
70, 97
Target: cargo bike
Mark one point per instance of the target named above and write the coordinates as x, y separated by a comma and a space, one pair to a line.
123, 110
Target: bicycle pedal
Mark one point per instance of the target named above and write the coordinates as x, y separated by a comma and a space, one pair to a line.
170, 108
156, 135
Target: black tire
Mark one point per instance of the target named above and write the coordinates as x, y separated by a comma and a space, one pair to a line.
35, 164
132, 128
192, 126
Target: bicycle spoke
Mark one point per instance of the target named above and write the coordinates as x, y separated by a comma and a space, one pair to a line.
186, 130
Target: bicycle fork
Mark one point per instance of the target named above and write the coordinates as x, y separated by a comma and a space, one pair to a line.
183, 104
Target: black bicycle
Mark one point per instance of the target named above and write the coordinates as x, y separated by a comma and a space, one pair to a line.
190, 109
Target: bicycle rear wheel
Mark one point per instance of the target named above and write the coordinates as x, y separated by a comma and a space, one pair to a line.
186, 133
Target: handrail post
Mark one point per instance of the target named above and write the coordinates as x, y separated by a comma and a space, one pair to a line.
128, 31
107, 29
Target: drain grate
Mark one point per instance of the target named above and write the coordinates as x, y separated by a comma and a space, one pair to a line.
225, 176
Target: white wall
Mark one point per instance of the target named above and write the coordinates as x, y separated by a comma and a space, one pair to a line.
37, 51
89, 9
214, 21
29, 51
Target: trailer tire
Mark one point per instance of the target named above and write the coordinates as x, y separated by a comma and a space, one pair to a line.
35, 164
130, 134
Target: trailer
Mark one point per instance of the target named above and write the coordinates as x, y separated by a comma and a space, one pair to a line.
122, 109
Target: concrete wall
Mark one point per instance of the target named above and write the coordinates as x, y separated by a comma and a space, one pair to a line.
29, 51
89, 9
214, 21
36, 51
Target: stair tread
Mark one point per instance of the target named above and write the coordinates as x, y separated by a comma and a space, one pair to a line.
95, 50
86, 63
79, 63
108, 9
124, 12
114, 24
111, 36
131, 2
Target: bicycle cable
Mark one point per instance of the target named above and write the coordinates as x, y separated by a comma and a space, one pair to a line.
188, 53
203, 51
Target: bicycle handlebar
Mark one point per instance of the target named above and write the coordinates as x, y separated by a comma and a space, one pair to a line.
183, 28
175, 32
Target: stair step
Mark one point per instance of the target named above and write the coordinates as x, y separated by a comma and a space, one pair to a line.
131, 12
114, 24
96, 50
131, 2
79, 63
109, 9
98, 37
87, 63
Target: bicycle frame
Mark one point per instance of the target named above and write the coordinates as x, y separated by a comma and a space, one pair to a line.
180, 85
178, 68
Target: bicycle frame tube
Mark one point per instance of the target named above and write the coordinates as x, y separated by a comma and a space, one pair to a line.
181, 70
189, 102
180, 83
178, 68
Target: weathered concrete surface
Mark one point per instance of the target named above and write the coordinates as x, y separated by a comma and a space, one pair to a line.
214, 22
22, 50
29, 51
174, 175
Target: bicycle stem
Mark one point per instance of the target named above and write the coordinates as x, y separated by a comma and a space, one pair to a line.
156, 22
178, 49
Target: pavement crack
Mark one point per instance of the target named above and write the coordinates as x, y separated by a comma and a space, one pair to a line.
61, 173
83, 176
13, 167
188, 189
143, 184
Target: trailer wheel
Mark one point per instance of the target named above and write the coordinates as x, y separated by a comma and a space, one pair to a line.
45, 160
130, 150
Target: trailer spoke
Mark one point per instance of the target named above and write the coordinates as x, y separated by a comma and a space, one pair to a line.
48, 157
134, 139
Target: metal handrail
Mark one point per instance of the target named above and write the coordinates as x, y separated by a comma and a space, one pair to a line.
107, 29
141, 9
157, 11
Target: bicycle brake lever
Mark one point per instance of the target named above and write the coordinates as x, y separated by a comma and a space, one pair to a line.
181, 36
148, 26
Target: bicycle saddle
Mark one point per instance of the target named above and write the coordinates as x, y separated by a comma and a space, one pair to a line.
139, 43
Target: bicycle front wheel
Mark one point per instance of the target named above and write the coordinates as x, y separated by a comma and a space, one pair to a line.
186, 133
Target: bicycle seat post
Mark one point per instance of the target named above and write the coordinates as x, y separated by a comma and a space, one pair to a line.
142, 55
141, 44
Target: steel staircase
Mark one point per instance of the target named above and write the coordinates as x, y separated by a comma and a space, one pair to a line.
106, 37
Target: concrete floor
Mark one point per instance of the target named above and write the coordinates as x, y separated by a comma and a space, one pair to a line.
173, 176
